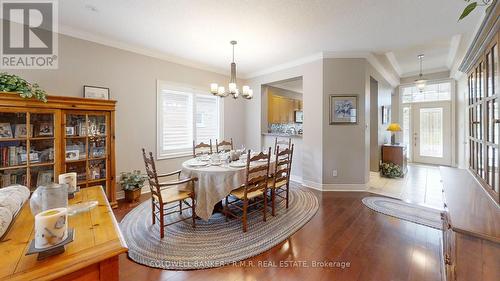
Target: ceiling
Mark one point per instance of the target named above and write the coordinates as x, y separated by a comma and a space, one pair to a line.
294, 85
273, 32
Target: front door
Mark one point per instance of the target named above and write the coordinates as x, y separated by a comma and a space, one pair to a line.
432, 133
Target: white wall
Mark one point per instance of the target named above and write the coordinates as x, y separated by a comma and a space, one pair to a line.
132, 81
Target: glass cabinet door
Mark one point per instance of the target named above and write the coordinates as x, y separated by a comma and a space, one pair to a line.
13, 148
42, 149
27, 147
97, 149
86, 147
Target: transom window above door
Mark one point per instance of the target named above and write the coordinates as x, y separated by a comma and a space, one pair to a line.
432, 92
185, 115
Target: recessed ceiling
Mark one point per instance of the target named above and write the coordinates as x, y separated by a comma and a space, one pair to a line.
269, 32
438, 56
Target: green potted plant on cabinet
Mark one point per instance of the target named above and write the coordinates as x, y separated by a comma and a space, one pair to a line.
15, 84
132, 182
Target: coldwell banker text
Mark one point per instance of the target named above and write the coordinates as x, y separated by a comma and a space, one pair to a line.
29, 35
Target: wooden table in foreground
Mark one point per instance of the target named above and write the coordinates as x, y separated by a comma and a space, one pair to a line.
93, 255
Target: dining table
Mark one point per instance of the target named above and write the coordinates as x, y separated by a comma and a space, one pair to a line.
215, 181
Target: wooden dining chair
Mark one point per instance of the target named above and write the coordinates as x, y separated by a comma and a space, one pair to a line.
164, 193
202, 148
224, 146
282, 143
254, 189
280, 181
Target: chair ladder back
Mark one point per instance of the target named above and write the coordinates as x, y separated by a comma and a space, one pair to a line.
154, 183
202, 148
283, 164
224, 146
257, 172
283, 142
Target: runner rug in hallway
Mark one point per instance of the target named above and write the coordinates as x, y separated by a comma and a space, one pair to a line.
405, 211
216, 242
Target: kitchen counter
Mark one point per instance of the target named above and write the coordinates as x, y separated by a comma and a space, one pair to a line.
284, 135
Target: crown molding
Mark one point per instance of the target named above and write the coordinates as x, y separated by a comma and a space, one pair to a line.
427, 72
394, 62
391, 79
485, 32
287, 65
452, 52
91, 37
95, 38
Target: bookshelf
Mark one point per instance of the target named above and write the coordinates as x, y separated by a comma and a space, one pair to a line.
39, 141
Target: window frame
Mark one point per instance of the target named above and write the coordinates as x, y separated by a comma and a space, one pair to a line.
431, 82
193, 91
482, 126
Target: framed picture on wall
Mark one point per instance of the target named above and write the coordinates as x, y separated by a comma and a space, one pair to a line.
343, 110
94, 92
386, 112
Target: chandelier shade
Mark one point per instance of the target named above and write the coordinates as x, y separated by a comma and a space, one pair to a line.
420, 83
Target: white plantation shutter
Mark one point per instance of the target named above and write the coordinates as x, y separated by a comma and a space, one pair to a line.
184, 116
207, 118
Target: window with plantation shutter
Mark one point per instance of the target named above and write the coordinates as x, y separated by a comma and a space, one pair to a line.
207, 118
185, 115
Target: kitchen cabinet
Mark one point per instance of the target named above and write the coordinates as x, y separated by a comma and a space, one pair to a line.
282, 109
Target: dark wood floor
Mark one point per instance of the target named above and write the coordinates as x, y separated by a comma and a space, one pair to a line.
378, 247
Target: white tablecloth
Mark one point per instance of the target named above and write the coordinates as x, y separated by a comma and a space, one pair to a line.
214, 184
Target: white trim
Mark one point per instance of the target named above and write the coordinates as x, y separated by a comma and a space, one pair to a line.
394, 62
393, 80
296, 179
428, 71
92, 37
452, 52
336, 186
290, 64
194, 91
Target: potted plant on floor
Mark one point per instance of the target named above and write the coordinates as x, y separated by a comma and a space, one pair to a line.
132, 182
391, 170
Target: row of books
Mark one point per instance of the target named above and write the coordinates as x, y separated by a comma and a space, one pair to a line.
11, 155
12, 178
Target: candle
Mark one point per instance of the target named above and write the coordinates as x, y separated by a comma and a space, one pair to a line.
70, 180
214, 88
51, 227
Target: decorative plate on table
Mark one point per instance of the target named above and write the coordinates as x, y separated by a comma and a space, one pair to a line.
197, 164
237, 164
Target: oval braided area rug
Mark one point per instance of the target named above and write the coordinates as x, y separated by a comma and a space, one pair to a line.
216, 242
405, 211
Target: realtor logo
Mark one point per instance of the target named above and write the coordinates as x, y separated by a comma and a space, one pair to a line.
29, 35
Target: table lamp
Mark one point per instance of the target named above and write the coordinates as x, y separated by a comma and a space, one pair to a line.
393, 128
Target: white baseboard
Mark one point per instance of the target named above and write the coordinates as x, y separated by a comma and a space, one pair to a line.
335, 186
296, 179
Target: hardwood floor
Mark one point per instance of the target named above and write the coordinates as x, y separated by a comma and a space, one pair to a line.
378, 247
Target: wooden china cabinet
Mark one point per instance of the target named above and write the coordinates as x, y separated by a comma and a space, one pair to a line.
39, 141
